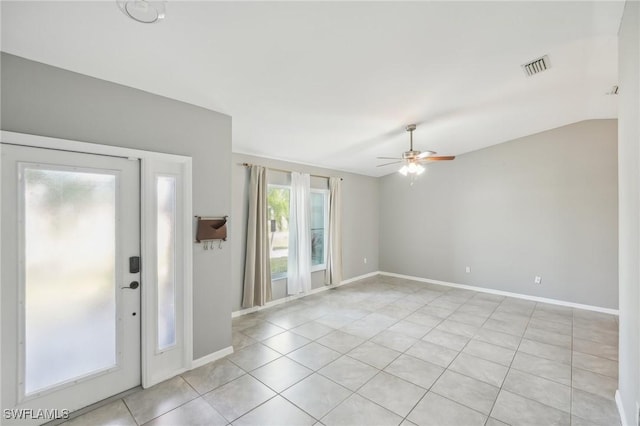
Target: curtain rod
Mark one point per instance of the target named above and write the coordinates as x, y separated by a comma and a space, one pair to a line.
283, 170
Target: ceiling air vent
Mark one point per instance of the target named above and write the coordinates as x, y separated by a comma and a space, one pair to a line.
536, 66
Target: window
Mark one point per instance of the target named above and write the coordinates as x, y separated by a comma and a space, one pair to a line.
319, 221
278, 201
166, 263
62, 309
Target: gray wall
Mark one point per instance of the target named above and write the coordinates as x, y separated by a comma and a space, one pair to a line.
42, 100
360, 220
629, 187
543, 205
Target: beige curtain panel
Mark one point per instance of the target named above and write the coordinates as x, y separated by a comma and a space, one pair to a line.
334, 249
257, 268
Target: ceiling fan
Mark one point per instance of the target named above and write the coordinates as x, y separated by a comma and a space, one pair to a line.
413, 159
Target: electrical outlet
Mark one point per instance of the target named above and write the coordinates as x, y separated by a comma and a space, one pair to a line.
468, 269
365, 260
537, 280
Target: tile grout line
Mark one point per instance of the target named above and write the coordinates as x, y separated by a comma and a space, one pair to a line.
446, 318
400, 378
318, 370
129, 410
333, 381
274, 390
445, 369
175, 408
380, 370
514, 354
443, 319
571, 367
381, 298
511, 363
485, 321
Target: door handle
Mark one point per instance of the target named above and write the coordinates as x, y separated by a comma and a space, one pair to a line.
133, 285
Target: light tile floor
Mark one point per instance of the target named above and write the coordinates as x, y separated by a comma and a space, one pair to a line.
388, 351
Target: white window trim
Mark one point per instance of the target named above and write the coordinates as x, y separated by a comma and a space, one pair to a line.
171, 361
325, 194
148, 161
177, 212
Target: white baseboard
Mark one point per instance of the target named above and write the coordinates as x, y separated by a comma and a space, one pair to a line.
298, 296
431, 281
506, 293
358, 278
211, 357
623, 418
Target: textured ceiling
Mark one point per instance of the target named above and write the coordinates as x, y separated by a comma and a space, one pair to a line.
334, 83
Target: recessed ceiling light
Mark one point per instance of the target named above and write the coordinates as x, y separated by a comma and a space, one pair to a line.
144, 11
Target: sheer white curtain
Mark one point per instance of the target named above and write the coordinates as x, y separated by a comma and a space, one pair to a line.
299, 261
334, 252
257, 270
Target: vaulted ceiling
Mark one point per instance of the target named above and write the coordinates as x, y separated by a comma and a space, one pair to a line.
335, 83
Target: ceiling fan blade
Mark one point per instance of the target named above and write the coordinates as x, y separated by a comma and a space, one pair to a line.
426, 154
389, 158
437, 158
388, 164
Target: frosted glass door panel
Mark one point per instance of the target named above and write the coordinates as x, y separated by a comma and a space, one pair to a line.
166, 238
69, 274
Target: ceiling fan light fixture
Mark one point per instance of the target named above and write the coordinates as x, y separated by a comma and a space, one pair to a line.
143, 11
411, 169
413, 158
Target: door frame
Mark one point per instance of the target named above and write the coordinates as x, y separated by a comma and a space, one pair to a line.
153, 372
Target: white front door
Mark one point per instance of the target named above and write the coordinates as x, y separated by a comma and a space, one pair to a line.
70, 303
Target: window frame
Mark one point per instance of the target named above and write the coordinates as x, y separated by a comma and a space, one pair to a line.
176, 178
325, 196
280, 275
